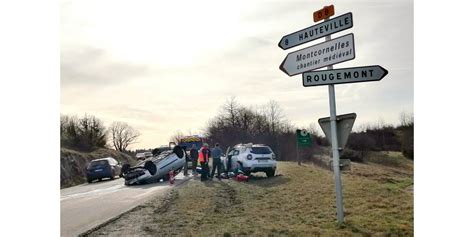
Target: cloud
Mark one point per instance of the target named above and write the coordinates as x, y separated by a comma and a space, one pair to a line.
181, 72
94, 67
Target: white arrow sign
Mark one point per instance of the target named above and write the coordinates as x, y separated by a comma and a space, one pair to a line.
344, 75
314, 32
331, 52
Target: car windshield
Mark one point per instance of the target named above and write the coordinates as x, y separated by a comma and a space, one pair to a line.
260, 150
98, 163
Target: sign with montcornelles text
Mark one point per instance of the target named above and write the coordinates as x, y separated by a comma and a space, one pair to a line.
331, 52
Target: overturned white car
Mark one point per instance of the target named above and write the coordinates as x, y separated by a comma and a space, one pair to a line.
155, 168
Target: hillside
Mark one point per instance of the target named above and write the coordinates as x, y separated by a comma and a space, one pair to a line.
299, 201
73, 163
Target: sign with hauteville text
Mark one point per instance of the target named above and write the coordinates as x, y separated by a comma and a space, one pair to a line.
318, 31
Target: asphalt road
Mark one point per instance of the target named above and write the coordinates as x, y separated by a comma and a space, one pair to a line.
87, 205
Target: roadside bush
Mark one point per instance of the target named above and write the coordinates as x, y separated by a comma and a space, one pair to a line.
361, 142
407, 142
356, 156
385, 138
85, 134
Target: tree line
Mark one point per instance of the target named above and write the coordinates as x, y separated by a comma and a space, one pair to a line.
385, 137
267, 124
89, 133
236, 123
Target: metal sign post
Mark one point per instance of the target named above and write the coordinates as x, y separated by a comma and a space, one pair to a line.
297, 153
335, 150
326, 54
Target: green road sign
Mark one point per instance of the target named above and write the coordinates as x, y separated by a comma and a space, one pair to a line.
303, 137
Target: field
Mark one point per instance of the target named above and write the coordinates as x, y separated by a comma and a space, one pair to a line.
299, 201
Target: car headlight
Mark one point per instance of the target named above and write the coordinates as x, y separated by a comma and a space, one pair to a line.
273, 156
249, 157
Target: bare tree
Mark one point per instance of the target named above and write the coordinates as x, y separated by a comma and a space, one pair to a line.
406, 119
313, 128
231, 109
274, 115
123, 135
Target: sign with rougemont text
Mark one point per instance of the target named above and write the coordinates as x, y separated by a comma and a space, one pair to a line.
331, 52
344, 75
318, 31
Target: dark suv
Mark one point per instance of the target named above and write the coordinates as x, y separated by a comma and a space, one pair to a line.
103, 168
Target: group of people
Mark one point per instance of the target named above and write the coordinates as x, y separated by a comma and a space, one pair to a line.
204, 156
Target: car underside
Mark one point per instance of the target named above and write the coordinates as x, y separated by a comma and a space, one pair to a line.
155, 168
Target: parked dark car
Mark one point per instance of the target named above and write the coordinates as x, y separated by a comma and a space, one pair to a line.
103, 168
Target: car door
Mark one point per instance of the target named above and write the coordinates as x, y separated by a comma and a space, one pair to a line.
235, 158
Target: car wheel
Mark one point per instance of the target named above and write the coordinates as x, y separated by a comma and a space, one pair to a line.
125, 169
178, 151
100, 179
89, 180
113, 175
150, 167
270, 173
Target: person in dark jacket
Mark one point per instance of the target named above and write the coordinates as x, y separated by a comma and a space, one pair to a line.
204, 156
216, 161
194, 158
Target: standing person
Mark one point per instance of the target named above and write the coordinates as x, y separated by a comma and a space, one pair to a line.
216, 161
194, 158
204, 156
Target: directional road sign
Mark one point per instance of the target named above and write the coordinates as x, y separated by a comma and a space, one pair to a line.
324, 13
331, 52
344, 123
314, 32
344, 75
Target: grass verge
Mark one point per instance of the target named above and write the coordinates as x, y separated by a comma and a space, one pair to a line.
299, 201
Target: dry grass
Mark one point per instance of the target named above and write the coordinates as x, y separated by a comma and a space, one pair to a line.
299, 201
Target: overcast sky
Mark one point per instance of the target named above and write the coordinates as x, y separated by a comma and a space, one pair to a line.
164, 66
